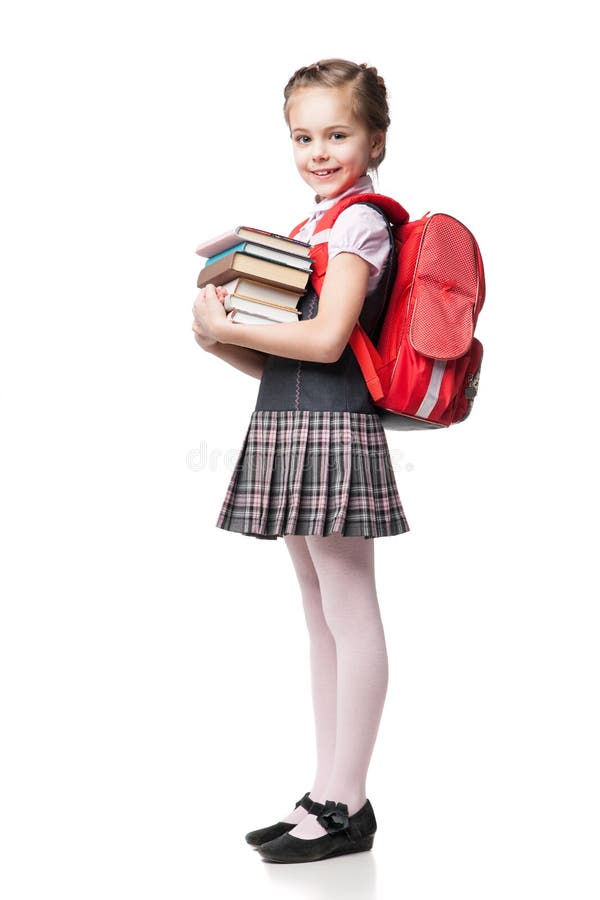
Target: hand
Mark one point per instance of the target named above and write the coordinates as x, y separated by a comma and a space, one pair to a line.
205, 342
208, 315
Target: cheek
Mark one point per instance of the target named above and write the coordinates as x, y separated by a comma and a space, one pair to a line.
299, 162
299, 154
363, 157
349, 154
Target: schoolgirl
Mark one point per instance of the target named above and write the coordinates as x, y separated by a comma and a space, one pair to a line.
315, 467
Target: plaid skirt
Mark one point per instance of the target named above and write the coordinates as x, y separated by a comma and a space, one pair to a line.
313, 472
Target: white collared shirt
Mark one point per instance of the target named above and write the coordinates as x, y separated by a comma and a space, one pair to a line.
359, 229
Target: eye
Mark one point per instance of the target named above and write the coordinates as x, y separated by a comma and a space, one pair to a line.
338, 135
302, 139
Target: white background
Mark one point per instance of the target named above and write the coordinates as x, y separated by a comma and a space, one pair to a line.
155, 697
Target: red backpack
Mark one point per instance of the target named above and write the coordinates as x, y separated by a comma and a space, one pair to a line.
424, 371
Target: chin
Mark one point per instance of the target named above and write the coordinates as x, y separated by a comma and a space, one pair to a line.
330, 190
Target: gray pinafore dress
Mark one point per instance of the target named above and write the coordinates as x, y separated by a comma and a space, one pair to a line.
315, 458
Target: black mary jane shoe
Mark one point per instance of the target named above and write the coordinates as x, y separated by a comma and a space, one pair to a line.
345, 834
260, 835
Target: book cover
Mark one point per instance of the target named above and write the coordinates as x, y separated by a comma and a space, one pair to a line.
234, 249
237, 264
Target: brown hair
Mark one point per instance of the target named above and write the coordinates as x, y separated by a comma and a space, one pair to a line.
369, 94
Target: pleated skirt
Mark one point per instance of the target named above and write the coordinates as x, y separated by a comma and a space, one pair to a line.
313, 472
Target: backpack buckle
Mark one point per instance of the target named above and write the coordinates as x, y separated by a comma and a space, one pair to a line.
472, 386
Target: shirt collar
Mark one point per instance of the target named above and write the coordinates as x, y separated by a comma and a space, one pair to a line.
362, 185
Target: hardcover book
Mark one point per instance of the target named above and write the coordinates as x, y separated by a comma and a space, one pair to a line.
257, 290
287, 259
237, 264
245, 318
230, 238
272, 312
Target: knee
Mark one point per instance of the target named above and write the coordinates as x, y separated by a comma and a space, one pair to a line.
311, 596
351, 616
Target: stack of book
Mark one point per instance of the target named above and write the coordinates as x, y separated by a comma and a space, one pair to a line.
265, 274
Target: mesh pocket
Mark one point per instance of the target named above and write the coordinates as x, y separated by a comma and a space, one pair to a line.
445, 290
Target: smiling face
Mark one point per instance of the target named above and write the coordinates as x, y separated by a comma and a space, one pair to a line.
332, 148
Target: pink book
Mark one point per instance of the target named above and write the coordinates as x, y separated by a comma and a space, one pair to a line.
242, 232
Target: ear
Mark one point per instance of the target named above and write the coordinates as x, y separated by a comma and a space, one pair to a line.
377, 143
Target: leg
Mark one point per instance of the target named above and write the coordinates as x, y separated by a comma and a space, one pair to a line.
345, 569
323, 668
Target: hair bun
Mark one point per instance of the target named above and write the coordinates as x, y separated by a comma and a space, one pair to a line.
374, 74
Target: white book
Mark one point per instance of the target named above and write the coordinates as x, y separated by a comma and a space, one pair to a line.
258, 290
269, 311
246, 318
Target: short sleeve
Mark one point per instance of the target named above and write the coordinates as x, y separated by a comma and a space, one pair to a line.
362, 230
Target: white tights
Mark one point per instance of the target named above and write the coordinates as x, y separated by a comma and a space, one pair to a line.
349, 666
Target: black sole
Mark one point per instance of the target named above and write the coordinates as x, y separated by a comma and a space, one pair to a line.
361, 846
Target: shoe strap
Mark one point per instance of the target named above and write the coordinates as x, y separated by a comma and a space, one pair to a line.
305, 802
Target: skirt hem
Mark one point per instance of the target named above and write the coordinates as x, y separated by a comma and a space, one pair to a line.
351, 532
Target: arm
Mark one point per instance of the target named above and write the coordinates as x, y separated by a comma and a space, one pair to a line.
251, 362
321, 339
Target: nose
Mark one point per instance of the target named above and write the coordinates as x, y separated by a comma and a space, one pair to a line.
319, 150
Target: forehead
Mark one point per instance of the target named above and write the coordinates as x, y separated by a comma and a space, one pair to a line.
319, 107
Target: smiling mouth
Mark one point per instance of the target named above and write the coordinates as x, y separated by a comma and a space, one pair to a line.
323, 173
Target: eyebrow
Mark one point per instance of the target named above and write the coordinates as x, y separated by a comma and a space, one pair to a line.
327, 128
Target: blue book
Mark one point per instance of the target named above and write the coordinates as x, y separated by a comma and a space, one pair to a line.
293, 260
236, 249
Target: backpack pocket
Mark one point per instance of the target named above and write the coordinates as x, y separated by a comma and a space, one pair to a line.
470, 383
445, 290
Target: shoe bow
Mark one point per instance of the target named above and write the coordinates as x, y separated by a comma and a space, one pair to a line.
334, 818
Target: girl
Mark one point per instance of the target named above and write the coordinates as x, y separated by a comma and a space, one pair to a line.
315, 467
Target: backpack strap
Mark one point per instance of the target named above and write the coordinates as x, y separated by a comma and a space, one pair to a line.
295, 230
394, 213
365, 351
